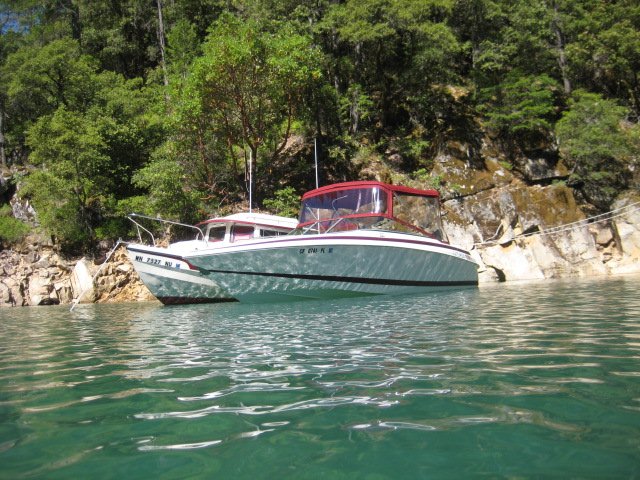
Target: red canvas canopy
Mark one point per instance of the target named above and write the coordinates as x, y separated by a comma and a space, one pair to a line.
367, 204
369, 184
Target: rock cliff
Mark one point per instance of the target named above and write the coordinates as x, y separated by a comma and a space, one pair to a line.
530, 226
539, 232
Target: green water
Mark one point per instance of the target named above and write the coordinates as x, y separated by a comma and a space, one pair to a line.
533, 380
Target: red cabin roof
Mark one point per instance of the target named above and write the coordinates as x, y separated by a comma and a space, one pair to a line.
369, 184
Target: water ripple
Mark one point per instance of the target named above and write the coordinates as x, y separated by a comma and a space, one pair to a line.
560, 360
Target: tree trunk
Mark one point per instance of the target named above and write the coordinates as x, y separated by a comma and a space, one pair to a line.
3, 156
161, 44
560, 48
76, 26
72, 9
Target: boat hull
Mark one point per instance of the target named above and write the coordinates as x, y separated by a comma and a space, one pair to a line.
171, 280
336, 265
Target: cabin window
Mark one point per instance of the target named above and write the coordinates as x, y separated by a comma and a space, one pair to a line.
419, 211
264, 232
241, 232
216, 233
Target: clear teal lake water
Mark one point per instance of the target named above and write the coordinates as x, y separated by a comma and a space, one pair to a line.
533, 380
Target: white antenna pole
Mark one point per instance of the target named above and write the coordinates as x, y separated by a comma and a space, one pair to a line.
250, 180
315, 155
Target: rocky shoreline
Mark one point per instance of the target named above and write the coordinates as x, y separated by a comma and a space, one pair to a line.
34, 274
520, 236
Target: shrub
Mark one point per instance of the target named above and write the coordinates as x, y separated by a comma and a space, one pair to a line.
11, 229
285, 203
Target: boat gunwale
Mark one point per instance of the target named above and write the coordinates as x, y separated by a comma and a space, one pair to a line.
319, 237
324, 237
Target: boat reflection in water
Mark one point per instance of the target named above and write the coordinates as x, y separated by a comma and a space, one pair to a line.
352, 239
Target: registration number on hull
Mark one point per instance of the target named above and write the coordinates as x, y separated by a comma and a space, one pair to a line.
315, 250
157, 261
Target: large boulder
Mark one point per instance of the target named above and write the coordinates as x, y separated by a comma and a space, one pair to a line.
626, 227
501, 213
542, 165
41, 290
23, 210
516, 236
5, 294
82, 282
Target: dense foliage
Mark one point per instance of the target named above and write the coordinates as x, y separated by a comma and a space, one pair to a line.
162, 107
11, 229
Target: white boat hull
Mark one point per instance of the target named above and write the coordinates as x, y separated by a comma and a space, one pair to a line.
171, 280
335, 265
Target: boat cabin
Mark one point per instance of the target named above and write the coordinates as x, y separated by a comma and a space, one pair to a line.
245, 226
371, 205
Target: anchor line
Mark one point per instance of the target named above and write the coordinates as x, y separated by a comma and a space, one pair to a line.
603, 217
118, 243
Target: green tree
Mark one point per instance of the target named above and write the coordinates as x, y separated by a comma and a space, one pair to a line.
68, 191
522, 107
11, 229
130, 119
88, 132
121, 34
604, 55
524, 42
199, 13
402, 56
477, 23
168, 192
286, 202
182, 49
8, 43
45, 78
42, 79
596, 147
246, 92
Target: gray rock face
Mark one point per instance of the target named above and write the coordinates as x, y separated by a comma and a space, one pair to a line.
516, 235
23, 210
33, 277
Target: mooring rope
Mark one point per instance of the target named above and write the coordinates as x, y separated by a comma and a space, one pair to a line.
603, 217
77, 300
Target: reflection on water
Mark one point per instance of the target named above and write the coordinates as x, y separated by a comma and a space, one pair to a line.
525, 379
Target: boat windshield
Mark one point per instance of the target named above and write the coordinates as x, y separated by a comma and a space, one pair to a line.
341, 203
417, 211
373, 207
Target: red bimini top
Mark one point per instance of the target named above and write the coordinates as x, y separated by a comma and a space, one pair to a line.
369, 184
